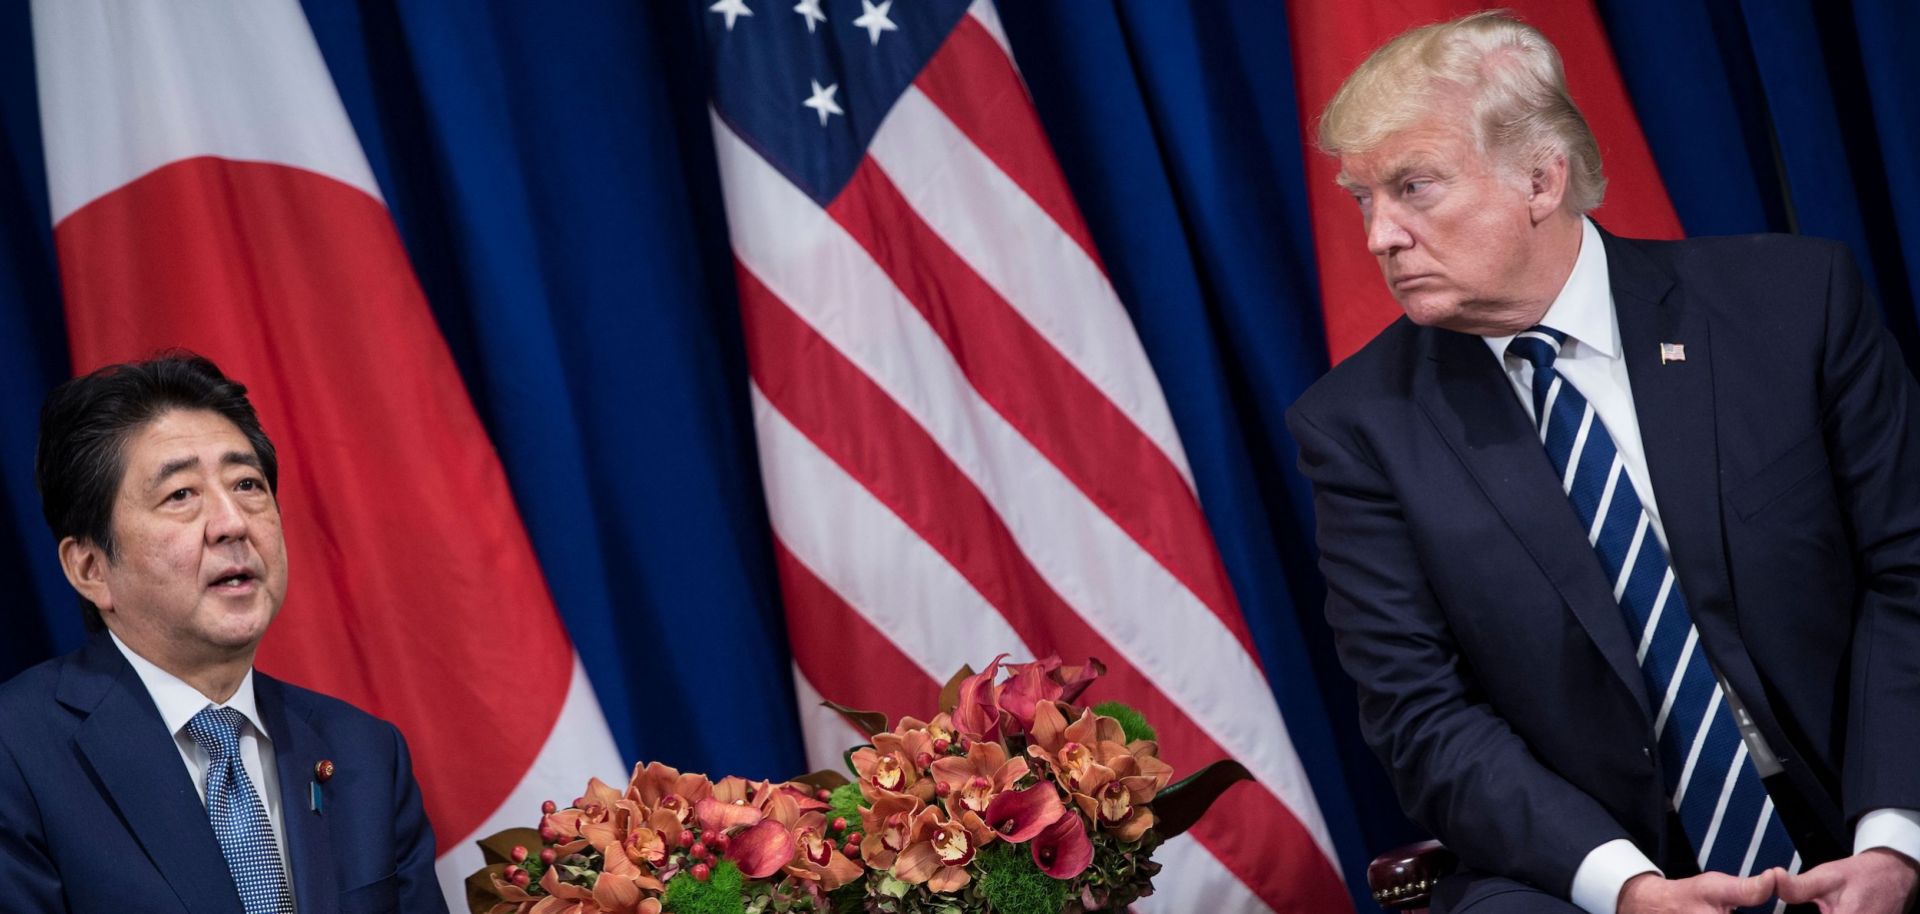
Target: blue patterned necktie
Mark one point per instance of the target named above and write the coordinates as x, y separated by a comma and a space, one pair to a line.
239, 818
1723, 807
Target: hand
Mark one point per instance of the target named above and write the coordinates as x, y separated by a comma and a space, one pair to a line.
1707, 893
1874, 881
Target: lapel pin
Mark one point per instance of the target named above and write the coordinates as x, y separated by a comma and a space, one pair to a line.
1672, 352
322, 773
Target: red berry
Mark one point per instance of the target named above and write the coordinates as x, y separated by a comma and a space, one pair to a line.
686, 837
943, 788
840, 823
511, 871
521, 879
721, 842
701, 871
549, 807
924, 759
548, 835
823, 794
547, 855
519, 853
699, 851
942, 744
851, 849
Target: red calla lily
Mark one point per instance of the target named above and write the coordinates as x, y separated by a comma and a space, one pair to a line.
1063, 850
762, 850
1018, 815
977, 714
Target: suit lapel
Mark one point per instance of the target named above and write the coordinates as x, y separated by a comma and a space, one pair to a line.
1474, 407
296, 747
138, 763
1674, 401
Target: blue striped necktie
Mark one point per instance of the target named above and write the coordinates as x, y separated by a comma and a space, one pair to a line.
239, 818
1723, 807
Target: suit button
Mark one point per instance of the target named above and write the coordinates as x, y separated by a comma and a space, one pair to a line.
1647, 751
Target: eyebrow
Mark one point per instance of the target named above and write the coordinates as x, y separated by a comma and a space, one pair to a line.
1395, 177
230, 458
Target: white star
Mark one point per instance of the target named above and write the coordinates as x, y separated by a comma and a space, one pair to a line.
810, 11
875, 20
822, 101
733, 9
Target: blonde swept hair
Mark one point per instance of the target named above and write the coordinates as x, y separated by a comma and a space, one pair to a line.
1509, 75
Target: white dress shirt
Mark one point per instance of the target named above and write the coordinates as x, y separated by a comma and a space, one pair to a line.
178, 702
1592, 362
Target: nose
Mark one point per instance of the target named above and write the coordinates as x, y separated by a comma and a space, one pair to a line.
226, 519
1385, 233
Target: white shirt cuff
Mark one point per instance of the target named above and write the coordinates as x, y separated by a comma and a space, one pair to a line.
1894, 829
1598, 881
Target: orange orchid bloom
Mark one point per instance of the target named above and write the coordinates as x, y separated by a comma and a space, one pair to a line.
818, 860
883, 773
1071, 749
940, 848
1118, 805
610, 895
970, 782
888, 826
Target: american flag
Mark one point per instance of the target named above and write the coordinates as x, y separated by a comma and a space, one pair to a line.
964, 448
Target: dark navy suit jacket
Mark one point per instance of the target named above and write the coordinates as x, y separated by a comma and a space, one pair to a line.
1497, 680
97, 814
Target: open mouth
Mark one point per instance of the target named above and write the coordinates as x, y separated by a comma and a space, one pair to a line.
235, 581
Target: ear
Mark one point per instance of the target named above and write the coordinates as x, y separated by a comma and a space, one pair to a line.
1546, 187
85, 565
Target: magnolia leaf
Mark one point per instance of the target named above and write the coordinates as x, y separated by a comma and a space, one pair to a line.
480, 894
867, 722
824, 779
498, 847
950, 693
1179, 806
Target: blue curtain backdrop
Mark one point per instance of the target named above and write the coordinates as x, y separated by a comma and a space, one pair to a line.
552, 175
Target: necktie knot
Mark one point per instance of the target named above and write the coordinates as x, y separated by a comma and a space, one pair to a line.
1539, 345
216, 730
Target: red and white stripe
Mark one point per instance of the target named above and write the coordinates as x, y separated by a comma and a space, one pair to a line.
965, 451
208, 192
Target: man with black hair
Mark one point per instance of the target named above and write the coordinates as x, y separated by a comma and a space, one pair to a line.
154, 769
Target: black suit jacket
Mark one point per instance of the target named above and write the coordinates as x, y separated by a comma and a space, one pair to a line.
1496, 675
97, 813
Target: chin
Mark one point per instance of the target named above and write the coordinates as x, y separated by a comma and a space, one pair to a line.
238, 626
1432, 311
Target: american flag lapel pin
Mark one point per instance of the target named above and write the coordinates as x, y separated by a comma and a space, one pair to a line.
1672, 352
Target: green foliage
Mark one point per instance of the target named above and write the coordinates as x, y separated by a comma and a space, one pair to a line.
848, 899
722, 893
845, 802
1014, 885
1131, 721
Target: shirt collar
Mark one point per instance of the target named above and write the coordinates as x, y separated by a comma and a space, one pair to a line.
1584, 308
179, 702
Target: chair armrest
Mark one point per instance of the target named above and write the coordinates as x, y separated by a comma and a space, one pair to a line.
1403, 878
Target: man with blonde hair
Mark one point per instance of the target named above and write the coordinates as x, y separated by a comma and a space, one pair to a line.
1621, 537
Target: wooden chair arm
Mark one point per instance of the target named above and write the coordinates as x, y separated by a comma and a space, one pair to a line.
1402, 879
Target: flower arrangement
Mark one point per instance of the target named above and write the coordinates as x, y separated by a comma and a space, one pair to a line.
1012, 800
